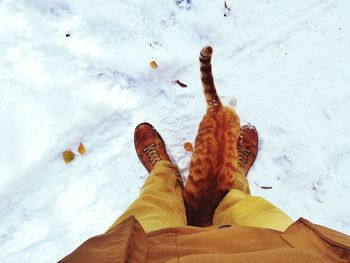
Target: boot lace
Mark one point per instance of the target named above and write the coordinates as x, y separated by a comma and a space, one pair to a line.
242, 156
152, 153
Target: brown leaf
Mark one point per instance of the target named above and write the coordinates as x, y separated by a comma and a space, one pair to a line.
81, 149
266, 187
153, 64
188, 146
68, 156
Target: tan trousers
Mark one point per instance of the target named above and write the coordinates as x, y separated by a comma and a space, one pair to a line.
161, 204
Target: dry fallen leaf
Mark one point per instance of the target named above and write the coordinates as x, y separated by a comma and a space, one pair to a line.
188, 146
153, 64
68, 156
81, 149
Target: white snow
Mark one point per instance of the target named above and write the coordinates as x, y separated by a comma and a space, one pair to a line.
286, 63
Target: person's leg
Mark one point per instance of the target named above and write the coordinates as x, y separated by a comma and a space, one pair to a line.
160, 204
238, 206
241, 208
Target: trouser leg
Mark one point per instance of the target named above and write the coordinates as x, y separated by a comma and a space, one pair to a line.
241, 208
160, 203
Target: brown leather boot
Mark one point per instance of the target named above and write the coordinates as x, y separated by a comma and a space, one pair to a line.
149, 145
247, 147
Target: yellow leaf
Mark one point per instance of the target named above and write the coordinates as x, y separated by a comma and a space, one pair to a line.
68, 156
153, 64
81, 149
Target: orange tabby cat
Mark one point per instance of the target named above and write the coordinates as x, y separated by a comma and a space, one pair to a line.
214, 159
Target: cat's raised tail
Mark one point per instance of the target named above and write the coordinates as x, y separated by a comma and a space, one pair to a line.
212, 98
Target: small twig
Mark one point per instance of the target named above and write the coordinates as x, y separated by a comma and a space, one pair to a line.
229, 9
183, 85
266, 187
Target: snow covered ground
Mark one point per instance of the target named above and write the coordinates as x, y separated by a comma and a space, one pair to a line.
75, 71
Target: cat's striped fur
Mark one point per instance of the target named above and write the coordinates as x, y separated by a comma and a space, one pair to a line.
214, 160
